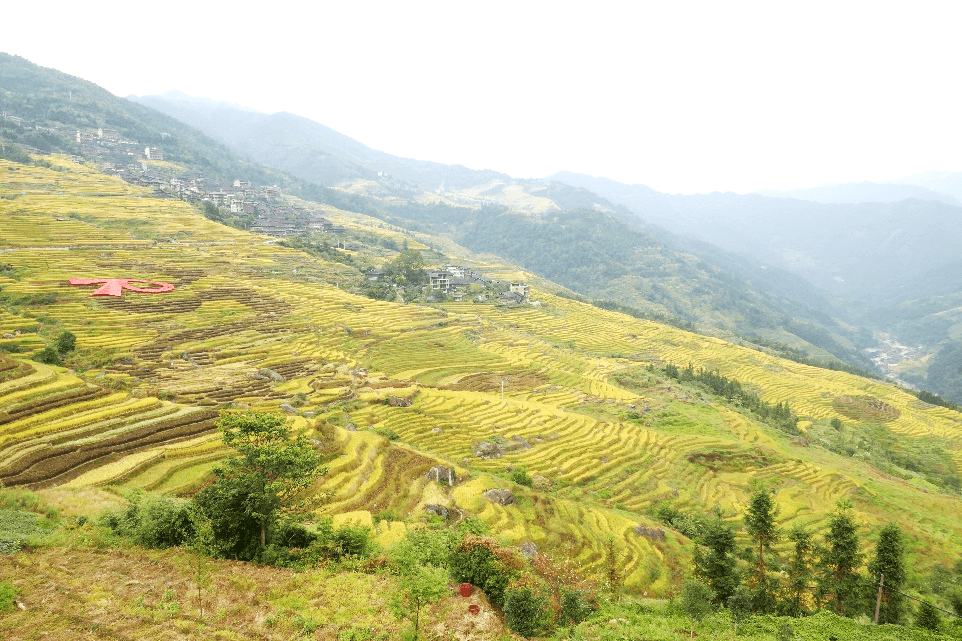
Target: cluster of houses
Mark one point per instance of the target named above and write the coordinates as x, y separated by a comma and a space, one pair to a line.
457, 282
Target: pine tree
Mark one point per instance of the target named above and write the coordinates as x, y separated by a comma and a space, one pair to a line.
716, 564
760, 523
889, 562
799, 572
928, 617
840, 581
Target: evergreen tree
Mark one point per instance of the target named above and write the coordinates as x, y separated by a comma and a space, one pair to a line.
715, 564
889, 562
928, 617
799, 572
840, 581
760, 523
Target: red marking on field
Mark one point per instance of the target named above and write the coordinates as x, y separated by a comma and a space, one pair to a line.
116, 286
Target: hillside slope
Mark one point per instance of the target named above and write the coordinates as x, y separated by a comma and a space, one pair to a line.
586, 406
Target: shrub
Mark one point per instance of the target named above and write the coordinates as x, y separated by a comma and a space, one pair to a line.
575, 608
66, 342
154, 521
8, 595
48, 356
520, 476
525, 612
481, 561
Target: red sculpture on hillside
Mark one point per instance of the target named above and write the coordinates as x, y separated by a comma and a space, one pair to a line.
116, 286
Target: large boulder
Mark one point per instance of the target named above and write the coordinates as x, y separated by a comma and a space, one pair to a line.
528, 550
652, 533
501, 497
442, 474
488, 450
439, 510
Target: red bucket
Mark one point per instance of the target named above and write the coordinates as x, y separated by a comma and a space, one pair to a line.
465, 589
474, 608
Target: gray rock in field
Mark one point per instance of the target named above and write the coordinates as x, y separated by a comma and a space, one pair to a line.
288, 409
442, 474
440, 510
488, 450
501, 497
652, 533
9, 336
528, 550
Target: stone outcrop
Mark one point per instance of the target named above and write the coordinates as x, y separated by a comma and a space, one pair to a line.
501, 497
652, 533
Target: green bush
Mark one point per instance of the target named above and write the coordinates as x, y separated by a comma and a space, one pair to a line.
575, 608
525, 612
48, 356
481, 561
153, 521
520, 476
66, 342
8, 596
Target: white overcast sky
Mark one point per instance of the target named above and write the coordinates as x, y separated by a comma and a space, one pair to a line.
681, 96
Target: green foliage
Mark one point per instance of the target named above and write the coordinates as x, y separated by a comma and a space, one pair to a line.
740, 605
481, 561
8, 597
387, 433
407, 269
715, 561
49, 356
761, 526
66, 342
929, 457
779, 415
418, 586
840, 582
799, 571
691, 524
944, 374
525, 612
927, 617
889, 562
696, 600
575, 608
274, 469
153, 521
520, 476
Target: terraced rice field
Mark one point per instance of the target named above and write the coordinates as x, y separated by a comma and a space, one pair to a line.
252, 324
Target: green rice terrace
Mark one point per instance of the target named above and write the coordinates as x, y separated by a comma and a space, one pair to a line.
392, 393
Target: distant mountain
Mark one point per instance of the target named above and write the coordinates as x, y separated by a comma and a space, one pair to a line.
946, 182
862, 192
874, 253
305, 148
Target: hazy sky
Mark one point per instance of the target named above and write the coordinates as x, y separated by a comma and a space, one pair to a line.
681, 96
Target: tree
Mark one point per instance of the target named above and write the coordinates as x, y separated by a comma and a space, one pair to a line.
740, 605
799, 572
889, 562
252, 489
407, 269
418, 586
760, 523
66, 342
928, 617
716, 564
695, 601
840, 582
